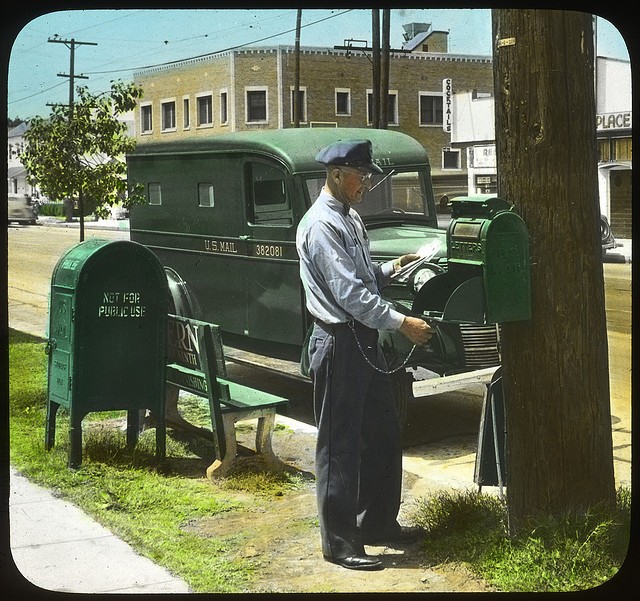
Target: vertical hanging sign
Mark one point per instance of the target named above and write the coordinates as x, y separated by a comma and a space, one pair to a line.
446, 102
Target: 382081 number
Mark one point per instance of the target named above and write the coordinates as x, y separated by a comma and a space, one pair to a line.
268, 250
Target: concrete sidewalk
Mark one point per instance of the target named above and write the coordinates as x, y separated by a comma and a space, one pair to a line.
57, 547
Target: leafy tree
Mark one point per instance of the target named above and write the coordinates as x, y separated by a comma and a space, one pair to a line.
79, 151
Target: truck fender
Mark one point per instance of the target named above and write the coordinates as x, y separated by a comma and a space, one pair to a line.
183, 301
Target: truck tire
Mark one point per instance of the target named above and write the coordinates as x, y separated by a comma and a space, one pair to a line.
402, 393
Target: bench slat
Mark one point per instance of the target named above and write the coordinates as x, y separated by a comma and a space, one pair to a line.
250, 398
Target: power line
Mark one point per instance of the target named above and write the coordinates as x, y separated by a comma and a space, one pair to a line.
167, 63
35, 94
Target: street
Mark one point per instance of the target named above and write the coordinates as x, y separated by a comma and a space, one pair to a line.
442, 429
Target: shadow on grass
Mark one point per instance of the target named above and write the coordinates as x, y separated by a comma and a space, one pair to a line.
18, 337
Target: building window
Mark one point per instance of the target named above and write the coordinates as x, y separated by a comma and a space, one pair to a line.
186, 113
451, 158
392, 108
205, 110
430, 108
256, 105
155, 194
146, 118
302, 93
224, 107
168, 115
205, 195
343, 101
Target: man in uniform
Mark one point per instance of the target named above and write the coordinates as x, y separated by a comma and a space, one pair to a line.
358, 452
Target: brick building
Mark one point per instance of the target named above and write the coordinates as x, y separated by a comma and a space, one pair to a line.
253, 88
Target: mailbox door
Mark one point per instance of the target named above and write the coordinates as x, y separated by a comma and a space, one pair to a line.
60, 345
507, 277
120, 329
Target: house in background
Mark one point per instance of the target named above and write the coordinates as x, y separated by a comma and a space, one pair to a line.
17, 182
473, 129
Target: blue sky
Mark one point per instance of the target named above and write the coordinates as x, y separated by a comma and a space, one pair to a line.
130, 39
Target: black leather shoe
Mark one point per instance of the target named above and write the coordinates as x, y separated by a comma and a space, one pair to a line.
356, 562
404, 536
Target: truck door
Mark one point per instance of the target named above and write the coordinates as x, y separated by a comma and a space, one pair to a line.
274, 311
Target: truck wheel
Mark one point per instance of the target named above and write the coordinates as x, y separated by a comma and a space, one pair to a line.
402, 393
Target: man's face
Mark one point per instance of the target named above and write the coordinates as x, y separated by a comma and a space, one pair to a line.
352, 184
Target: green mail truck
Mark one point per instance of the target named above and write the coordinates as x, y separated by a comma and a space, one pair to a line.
222, 212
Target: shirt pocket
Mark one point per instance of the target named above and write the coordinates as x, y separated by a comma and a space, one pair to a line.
352, 248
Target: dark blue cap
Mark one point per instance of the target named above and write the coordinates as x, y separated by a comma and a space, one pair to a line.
349, 153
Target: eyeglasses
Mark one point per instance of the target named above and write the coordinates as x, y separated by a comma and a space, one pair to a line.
364, 177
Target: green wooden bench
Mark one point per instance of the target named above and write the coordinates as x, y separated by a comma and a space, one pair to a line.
196, 363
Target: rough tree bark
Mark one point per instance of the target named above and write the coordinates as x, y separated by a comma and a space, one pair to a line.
556, 373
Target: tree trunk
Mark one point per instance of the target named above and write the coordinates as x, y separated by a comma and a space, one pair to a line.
81, 211
556, 373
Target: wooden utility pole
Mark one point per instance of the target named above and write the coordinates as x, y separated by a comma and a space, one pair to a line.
556, 376
297, 108
384, 69
375, 56
71, 44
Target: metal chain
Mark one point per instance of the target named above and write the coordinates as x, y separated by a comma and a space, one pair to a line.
382, 371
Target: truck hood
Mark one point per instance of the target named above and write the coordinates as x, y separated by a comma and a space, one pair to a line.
389, 241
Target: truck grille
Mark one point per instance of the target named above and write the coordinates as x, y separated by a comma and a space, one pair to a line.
481, 346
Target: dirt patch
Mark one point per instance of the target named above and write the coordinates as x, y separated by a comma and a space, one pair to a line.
279, 535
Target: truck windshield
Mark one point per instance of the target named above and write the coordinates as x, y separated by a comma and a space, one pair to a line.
394, 193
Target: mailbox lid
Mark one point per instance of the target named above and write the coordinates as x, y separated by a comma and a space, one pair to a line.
507, 270
67, 271
479, 205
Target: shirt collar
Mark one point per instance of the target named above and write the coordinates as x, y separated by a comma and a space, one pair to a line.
334, 203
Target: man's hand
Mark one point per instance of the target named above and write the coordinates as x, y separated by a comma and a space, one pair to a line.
400, 262
417, 330
404, 259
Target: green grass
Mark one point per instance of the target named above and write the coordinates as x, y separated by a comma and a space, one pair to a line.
149, 505
144, 503
574, 552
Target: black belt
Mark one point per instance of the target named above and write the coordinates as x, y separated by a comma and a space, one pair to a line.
330, 328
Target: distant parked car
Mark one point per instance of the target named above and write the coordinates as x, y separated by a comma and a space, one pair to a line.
119, 213
22, 209
606, 235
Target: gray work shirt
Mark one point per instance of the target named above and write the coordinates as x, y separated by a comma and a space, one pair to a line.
339, 278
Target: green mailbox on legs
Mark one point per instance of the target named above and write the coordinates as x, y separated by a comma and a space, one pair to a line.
107, 336
488, 279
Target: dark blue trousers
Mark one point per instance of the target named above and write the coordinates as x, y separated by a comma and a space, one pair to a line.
358, 452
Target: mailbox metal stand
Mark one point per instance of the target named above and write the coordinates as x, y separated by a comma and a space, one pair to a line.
107, 337
488, 281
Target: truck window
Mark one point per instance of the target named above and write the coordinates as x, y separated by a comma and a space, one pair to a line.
398, 193
155, 193
269, 202
206, 197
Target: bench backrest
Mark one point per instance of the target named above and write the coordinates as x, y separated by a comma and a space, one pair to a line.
195, 359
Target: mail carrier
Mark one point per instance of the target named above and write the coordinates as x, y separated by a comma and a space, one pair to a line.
222, 213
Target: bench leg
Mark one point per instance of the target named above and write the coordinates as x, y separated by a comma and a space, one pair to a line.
264, 432
220, 467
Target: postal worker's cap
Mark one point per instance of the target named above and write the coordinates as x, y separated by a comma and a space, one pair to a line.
349, 153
